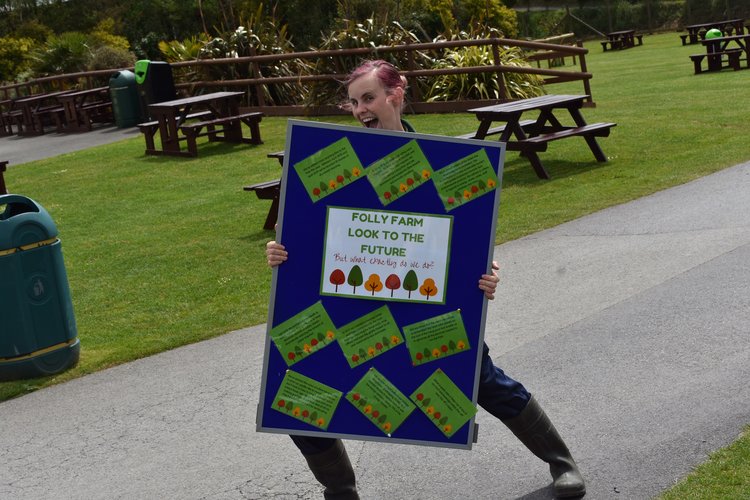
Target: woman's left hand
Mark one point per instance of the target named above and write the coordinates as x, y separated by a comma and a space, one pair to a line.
488, 282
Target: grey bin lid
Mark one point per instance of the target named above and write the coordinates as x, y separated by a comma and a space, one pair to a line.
122, 78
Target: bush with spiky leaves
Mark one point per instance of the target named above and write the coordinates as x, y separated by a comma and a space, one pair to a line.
367, 34
482, 85
65, 53
189, 49
258, 35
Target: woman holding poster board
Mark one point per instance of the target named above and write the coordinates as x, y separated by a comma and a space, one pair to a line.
376, 98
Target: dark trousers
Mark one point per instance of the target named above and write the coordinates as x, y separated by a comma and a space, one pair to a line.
499, 395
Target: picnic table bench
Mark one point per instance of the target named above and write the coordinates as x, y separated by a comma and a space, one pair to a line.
10, 115
194, 130
533, 138
223, 124
81, 108
729, 49
3, 167
623, 39
697, 32
269, 190
31, 113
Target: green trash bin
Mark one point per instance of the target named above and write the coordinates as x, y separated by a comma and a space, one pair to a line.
38, 334
124, 93
154, 82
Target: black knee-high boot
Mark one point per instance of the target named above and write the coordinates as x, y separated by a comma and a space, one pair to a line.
334, 471
537, 433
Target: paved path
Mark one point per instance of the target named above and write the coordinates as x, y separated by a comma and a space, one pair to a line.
16, 149
629, 325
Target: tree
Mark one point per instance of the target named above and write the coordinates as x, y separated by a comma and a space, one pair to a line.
428, 288
374, 284
411, 282
355, 278
392, 282
337, 278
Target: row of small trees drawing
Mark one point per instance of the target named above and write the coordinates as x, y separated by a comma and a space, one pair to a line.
392, 282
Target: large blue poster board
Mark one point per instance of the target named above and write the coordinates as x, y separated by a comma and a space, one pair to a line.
376, 322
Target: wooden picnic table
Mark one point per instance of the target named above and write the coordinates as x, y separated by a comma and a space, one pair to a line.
721, 50
7, 108
82, 107
270, 190
623, 39
697, 32
32, 110
532, 136
716, 46
222, 111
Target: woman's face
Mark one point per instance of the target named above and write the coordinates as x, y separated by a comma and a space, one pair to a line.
372, 106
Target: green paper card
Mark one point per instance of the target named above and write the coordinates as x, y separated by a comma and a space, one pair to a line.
306, 399
380, 401
465, 180
329, 169
398, 173
436, 337
303, 334
369, 336
443, 403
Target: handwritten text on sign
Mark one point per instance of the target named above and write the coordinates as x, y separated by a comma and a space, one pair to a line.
382, 255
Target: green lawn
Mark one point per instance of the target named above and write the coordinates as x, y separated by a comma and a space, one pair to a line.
161, 252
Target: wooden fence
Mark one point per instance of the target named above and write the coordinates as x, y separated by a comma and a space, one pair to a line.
260, 85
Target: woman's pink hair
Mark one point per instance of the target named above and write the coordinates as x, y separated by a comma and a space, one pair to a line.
385, 72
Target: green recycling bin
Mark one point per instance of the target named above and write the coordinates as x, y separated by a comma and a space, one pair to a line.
125, 104
38, 334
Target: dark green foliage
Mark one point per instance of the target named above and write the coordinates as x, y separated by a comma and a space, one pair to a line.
482, 85
33, 30
352, 34
65, 53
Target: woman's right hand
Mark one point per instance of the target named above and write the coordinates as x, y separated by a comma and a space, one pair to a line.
275, 253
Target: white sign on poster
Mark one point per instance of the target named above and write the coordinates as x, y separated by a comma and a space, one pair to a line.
384, 255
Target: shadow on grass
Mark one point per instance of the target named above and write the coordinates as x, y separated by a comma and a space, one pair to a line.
518, 170
205, 150
260, 234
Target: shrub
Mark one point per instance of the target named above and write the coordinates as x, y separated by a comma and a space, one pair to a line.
259, 35
102, 35
34, 30
13, 57
482, 85
367, 34
106, 57
64, 53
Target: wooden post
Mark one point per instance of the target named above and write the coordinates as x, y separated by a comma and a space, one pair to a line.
257, 74
498, 62
416, 94
586, 82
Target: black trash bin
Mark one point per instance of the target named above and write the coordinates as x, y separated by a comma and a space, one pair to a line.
38, 334
124, 93
155, 83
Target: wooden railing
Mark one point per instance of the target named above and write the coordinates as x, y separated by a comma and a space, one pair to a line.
258, 87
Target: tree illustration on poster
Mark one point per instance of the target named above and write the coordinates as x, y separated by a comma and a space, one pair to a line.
377, 312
